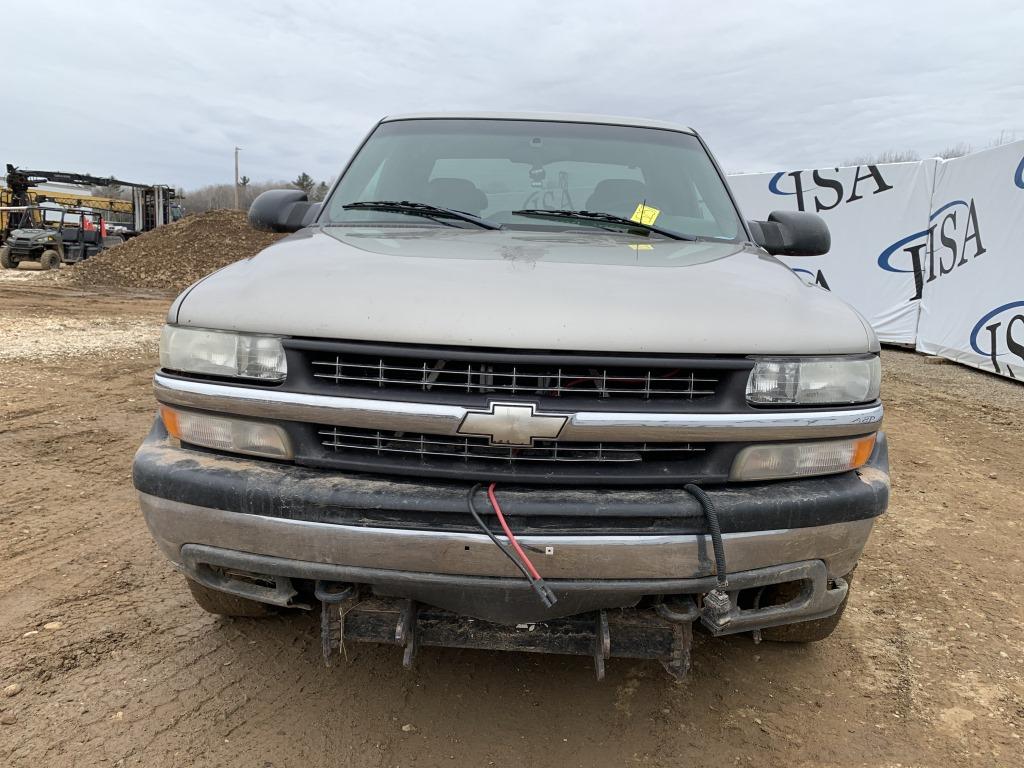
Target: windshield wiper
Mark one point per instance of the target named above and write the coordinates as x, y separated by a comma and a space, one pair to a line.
419, 209
609, 218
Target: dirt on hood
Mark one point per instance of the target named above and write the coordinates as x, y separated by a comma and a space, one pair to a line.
174, 256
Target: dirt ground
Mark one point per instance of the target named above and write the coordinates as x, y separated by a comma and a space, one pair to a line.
104, 659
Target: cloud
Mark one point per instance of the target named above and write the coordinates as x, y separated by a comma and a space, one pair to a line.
174, 88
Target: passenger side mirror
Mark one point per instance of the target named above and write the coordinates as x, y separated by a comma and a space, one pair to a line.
283, 210
792, 233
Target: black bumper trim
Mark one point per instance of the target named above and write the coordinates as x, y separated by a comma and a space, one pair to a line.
511, 601
280, 490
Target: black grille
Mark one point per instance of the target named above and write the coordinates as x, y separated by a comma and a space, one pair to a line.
528, 379
345, 440
551, 380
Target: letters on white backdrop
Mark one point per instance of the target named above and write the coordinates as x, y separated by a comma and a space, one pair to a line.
972, 310
930, 252
870, 210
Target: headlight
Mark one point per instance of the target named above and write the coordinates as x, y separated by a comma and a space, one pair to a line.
781, 460
252, 438
814, 381
219, 353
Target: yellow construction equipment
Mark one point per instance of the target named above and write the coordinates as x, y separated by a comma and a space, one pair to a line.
150, 206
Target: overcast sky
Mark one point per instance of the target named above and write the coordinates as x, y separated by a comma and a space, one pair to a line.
161, 94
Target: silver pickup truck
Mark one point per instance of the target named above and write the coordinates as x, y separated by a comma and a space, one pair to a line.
522, 382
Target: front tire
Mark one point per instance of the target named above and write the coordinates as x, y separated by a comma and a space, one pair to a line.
5, 258
50, 260
222, 604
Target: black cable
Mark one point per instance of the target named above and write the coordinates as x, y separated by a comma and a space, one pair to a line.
486, 529
714, 528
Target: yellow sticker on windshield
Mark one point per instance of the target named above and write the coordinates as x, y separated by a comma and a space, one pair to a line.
645, 214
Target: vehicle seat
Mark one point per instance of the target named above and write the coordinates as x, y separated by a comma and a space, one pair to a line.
679, 199
71, 235
459, 194
618, 196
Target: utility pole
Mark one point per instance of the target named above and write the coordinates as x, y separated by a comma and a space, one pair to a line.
237, 150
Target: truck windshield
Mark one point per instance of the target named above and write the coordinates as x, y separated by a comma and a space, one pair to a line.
516, 173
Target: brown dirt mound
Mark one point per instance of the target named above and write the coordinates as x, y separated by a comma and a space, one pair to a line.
174, 256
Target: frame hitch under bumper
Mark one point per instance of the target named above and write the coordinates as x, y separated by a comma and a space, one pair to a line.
663, 632
659, 628
663, 635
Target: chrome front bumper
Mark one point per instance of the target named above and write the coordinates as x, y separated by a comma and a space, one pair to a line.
578, 557
262, 558
290, 526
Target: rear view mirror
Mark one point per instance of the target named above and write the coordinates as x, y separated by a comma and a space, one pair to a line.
283, 210
792, 233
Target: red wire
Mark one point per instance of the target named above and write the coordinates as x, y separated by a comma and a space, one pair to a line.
508, 532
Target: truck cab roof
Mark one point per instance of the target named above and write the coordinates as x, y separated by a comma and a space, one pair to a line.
551, 117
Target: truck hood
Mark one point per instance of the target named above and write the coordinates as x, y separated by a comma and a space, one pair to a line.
604, 292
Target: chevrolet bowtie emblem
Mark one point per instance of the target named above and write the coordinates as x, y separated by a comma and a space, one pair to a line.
512, 424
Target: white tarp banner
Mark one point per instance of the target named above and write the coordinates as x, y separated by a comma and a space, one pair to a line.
871, 211
972, 258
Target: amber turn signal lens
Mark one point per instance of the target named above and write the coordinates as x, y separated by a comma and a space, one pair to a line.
170, 419
225, 433
862, 451
779, 461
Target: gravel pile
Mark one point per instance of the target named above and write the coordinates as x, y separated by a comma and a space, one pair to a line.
174, 256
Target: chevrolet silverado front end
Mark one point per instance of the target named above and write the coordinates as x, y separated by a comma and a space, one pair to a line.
457, 408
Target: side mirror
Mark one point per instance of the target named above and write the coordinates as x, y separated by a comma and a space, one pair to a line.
283, 210
792, 233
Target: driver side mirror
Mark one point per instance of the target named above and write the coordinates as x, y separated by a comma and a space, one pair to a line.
283, 210
792, 233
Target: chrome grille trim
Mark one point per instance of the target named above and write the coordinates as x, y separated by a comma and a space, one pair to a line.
475, 448
597, 426
534, 379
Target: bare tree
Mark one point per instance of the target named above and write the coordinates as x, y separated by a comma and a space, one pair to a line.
957, 150
319, 192
889, 156
114, 191
1006, 136
215, 196
962, 148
